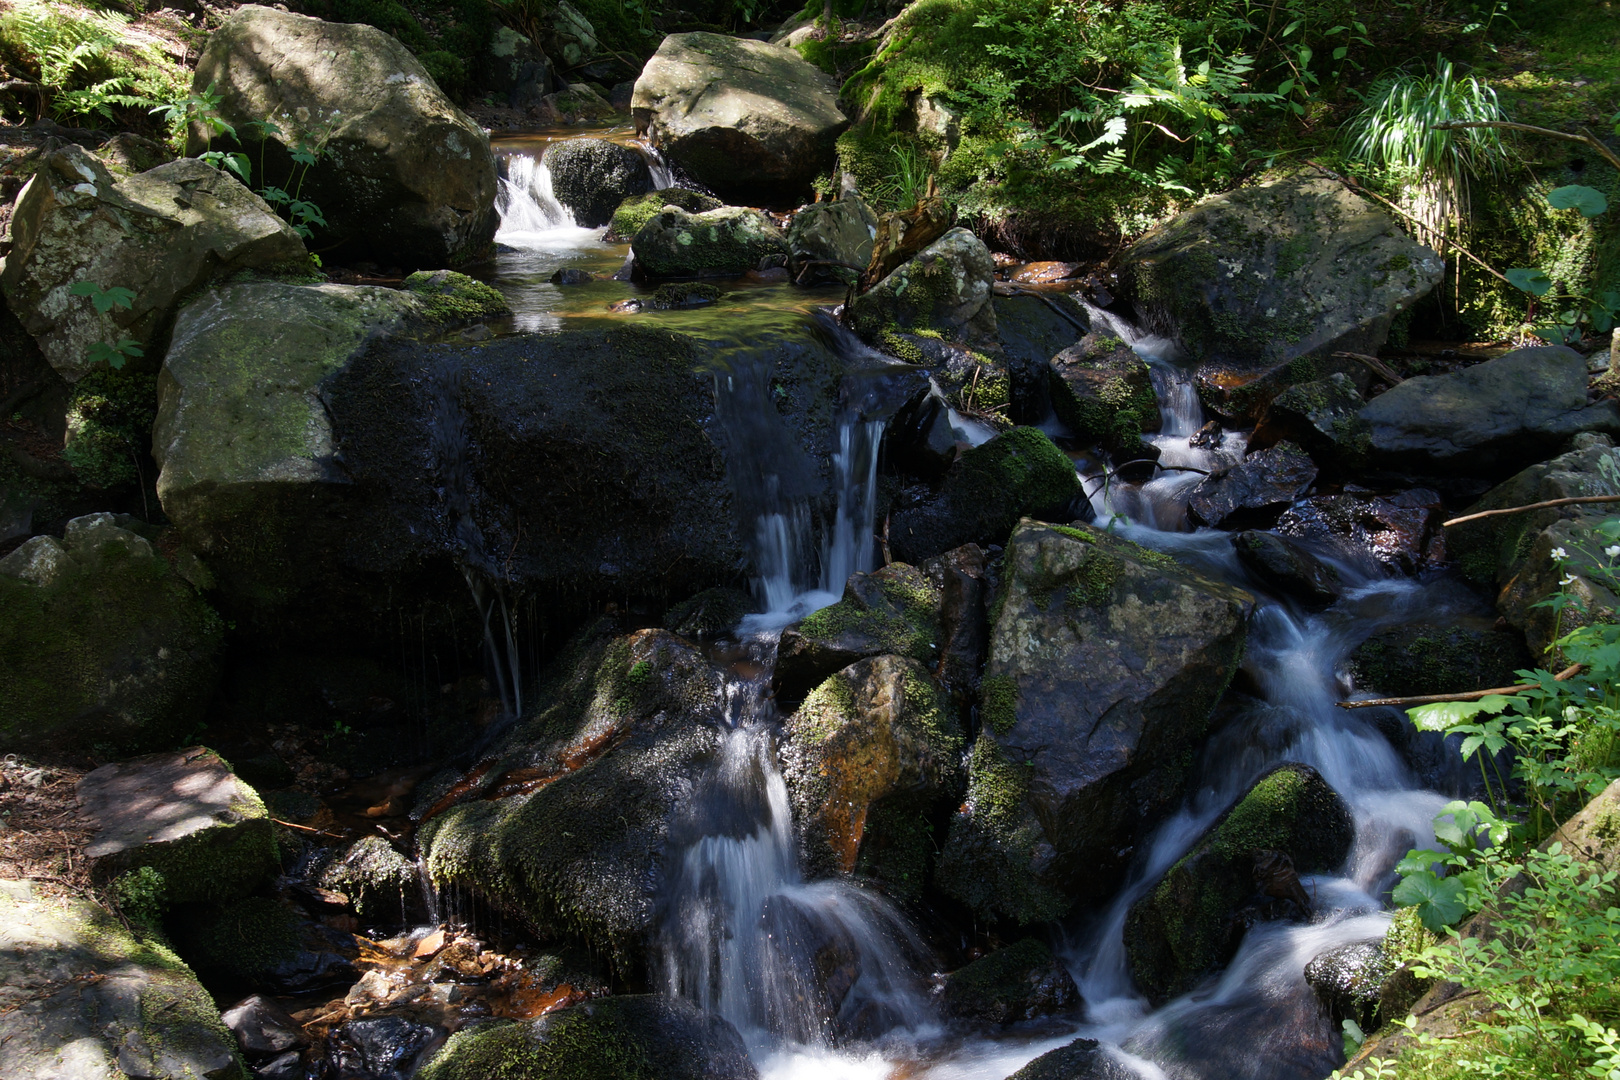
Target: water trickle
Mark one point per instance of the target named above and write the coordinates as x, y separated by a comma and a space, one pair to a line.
531, 217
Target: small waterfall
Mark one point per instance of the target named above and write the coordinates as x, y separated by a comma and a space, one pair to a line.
662, 175
531, 217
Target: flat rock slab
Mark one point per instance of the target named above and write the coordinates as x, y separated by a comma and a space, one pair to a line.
82, 999
184, 813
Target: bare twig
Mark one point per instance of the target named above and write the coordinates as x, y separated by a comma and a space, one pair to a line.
1473, 695
1379, 368
306, 828
1546, 505
1585, 136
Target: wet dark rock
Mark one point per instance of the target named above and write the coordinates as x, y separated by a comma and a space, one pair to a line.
871, 758
920, 439
593, 176
988, 488
1423, 658
1349, 979
1399, 531
1031, 330
383, 885
637, 210
1265, 481
745, 119
1135, 464
1192, 920
1019, 982
894, 610
379, 1047
1323, 417
643, 1035
827, 239
685, 294
288, 1066
818, 947
184, 814
568, 827
1106, 660
945, 287
1489, 419
1102, 392
571, 275
1207, 437
963, 582
1287, 567
1083, 1059
710, 612
262, 1027
726, 242
263, 944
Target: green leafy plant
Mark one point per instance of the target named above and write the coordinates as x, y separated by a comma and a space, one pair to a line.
1444, 897
142, 896
88, 66
104, 300
907, 181
1596, 313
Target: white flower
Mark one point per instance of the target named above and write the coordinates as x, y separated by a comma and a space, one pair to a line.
1612, 550
1567, 579
1559, 553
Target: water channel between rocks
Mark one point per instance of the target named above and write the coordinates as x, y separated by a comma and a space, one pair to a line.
743, 923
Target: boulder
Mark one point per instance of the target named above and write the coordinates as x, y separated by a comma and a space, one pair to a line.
185, 814
1349, 979
1287, 567
576, 103
710, 613
573, 33
985, 492
380, 1047
515, 67
746, 119
262, 944
871, 758
1323, 417
1031, 330
81, 998
894, 610
1266, 481
1250, 281
1489, 419
262, 1027
402, 176
160, 234
1102, 392
384, 886
648, 1036
593, 176
945, 287
104, 648
568, 828
1189, 923
1083, 1059
835, 235
1401, 531
637, 210
1106, 660
1019, 982
727, 242
1424, 658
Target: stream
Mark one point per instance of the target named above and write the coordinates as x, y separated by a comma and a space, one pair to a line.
742, 923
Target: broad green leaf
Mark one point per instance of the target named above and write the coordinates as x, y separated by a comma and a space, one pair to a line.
1532, 280
1448, 714
1439, 901
1340, 53
1286, 88
1589, 201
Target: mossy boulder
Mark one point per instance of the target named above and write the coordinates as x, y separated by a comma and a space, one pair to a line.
837, 235
1019, 982
748, 120
726, 242
450, 298
632, 1037
104, 648
83, 998
1102, 392
1323, 417
1016, 474
710, 612
945, 287
1184, 927
1487, 420
259, 943
383, 885
872, 761
894, 610
1106, 660
1254, 279
637, 210
1425, 658
160, 234
567, 829
592, 177
401, 175
186, 815
1260, 486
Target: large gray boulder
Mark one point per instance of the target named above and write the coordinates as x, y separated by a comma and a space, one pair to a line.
403, 177
748, 120
1254, 279
104, 648
1489, 419
1106, 660
81, 998
945, 287
593, 176
830, 238
161, 234
724, 242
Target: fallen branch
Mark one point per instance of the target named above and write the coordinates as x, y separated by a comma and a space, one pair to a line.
1379, 368
1473, 695
1547, 505
811, 264
1585, 136
306, 828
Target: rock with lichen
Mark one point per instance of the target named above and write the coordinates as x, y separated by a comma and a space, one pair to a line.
637, 210
725, 242
1102, 392
1323, 417
831, 240
1106, 660
1188, 923
872, 760
592, 177
945, 287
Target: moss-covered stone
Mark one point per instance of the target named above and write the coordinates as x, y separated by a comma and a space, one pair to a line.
1018, 473
726, 242
261, 944
382, 884
637, 210
1183, 927
637, 1037
686, 294
710, 612
892, 610
595, 177
1428, 659
1102, 392
449, 297
944, 287
1019, 982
